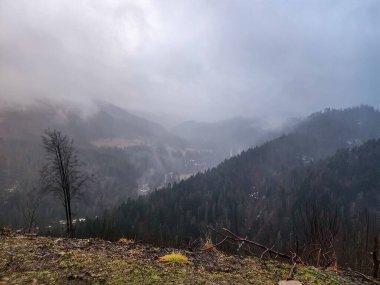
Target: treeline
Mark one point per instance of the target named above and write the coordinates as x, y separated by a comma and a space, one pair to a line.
117, 176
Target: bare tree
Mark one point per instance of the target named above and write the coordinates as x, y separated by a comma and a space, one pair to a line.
320, 228
62, 174
30, 208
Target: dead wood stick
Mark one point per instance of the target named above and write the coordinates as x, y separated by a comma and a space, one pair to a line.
293, 268
365, 277
264, 252
230, 235
291, 272
215, 245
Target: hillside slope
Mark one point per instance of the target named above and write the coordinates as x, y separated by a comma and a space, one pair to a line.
42, 260
257, 194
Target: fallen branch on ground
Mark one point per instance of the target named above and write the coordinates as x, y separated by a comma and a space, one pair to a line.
228, 235
294, 258
231, 236
365, 277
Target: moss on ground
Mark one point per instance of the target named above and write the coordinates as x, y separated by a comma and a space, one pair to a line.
42, 260
175, 259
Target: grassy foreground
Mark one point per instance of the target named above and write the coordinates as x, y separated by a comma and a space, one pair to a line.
43, 260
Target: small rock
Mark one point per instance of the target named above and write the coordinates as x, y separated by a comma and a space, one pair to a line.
290, 282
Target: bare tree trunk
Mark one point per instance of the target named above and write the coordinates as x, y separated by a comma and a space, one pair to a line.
71, 233
31, 221
29, 209
67, 218
376, 257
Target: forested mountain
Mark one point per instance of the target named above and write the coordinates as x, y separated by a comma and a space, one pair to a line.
127, 154
267, 193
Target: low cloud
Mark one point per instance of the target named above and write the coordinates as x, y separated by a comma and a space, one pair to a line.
204, 60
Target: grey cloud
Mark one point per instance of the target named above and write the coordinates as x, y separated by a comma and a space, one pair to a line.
193, 59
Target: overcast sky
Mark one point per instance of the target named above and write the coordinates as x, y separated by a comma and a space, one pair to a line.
204, 60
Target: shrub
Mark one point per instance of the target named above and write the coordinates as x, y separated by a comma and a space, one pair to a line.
125, 241
208, 246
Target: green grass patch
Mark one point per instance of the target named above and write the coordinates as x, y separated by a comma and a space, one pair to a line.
175, 258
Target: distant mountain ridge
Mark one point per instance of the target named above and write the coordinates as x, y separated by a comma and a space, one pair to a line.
107, 122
